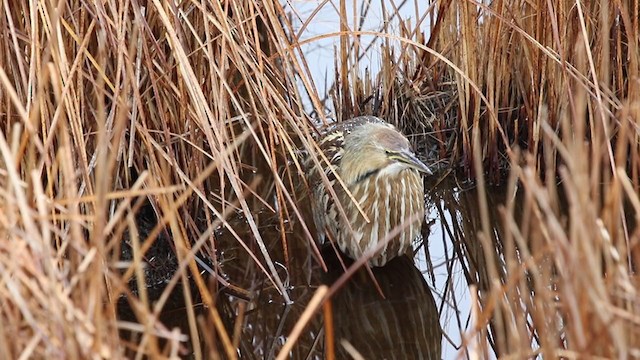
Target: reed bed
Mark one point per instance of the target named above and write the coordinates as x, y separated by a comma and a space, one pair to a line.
112, 109
132, 134
545, 104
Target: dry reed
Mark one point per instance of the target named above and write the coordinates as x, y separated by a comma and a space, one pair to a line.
195, 111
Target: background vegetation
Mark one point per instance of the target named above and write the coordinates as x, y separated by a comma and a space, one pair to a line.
194, 112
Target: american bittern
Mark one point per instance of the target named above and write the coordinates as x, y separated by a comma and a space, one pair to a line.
376, 164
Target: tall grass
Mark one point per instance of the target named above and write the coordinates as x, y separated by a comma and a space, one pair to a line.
195, 110
548, 90
104, 105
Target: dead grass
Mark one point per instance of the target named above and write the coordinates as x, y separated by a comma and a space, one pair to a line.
103, 104
196, 107
548, 90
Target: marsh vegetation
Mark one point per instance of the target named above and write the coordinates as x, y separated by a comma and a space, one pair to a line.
153, 201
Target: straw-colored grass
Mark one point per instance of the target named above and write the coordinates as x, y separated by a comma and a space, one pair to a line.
193, 112
548, 90
103, 104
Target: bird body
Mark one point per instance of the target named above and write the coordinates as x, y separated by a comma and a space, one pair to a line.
380, 172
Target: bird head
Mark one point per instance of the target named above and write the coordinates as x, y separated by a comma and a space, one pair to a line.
375, 149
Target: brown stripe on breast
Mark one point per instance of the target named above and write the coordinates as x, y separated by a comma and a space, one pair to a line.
385, 201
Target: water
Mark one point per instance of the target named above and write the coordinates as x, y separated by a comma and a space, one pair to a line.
422, 308
320, 37
420, 296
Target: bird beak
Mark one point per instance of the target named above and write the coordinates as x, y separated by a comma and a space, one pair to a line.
410, 159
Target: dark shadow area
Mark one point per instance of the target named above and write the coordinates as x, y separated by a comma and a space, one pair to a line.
400, 322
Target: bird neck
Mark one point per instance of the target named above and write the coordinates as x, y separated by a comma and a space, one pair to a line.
366, 176
393, 170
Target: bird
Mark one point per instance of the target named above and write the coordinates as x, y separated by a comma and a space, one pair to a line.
377, 169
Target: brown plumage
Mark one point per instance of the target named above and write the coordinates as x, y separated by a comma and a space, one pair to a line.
375, 162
